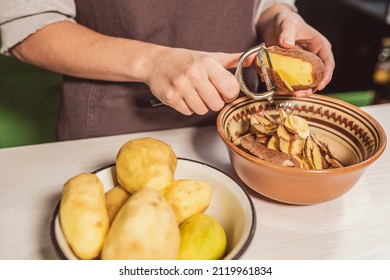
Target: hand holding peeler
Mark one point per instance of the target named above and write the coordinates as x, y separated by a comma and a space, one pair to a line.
271, 89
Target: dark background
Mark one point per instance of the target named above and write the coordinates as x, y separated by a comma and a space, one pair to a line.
355, 29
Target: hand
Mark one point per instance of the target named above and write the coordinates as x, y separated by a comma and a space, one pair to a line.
288, 30
192, 81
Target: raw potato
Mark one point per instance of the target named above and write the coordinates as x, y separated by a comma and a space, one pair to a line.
145, 162
145, 228
115, 198
294, 69
83, 215
188, 197
202, 238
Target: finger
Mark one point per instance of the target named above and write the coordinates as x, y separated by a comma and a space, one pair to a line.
176, 102
195, 103
204, 89
327, 57
248, 62
225, 83
227, 60
210, 96
173, 98
183, 108
186, 89
288, 34
303, 93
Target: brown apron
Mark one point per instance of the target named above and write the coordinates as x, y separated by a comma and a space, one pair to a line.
92, 108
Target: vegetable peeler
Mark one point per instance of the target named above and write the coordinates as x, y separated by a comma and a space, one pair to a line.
271, 89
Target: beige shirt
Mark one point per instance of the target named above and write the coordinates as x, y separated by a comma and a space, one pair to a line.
21, 18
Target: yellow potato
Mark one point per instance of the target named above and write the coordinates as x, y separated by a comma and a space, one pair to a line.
293, 69
188, 197
115, 198
145, 162
144, 228
83, 215
202, 238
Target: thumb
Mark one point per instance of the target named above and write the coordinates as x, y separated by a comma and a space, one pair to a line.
230, 60
227, 60
287, 35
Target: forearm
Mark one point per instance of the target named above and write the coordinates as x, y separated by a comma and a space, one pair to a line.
71, 49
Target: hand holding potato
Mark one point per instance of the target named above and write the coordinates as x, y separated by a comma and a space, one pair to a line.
281, 26
292, 69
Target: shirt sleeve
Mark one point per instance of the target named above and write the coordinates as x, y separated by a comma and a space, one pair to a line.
21, 18
265, 4
269, 3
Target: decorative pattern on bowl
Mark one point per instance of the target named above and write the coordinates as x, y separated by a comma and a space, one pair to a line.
354, 137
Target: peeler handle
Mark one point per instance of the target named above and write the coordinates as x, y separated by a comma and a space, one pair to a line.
269, 94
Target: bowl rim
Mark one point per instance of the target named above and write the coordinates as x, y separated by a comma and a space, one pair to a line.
236, 256
363, 164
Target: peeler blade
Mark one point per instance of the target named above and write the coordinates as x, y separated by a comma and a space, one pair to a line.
271, 89
265, 74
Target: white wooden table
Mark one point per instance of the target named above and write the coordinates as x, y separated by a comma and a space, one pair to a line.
354, 226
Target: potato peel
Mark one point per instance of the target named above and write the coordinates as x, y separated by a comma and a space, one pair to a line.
287, 141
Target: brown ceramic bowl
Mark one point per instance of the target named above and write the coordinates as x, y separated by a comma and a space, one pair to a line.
354, 137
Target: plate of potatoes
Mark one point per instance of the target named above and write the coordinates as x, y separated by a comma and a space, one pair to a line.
152, 205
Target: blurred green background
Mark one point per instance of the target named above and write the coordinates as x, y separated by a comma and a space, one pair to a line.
29, 100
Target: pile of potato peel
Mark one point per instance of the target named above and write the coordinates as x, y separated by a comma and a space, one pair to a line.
148, 215
286, 140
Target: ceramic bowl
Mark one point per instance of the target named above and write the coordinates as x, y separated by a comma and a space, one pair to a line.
230, 205
354, 137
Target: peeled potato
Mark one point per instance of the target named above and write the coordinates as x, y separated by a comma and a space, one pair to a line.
188, 197
293, 69
144, 229
202, 238
145, 162
83, 215
115, 198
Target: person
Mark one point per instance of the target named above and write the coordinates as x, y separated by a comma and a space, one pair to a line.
116, 55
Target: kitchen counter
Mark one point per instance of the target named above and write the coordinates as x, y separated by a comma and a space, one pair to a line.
354, 226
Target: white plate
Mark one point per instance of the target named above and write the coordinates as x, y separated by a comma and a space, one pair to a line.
230, 205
